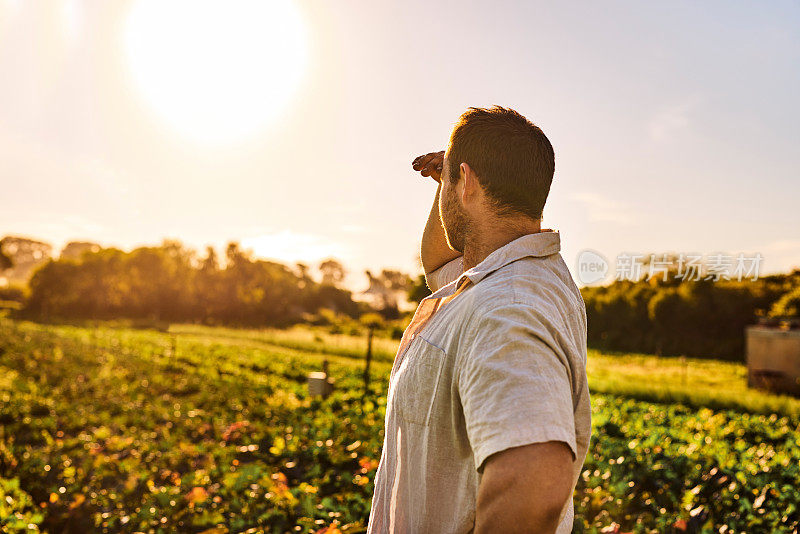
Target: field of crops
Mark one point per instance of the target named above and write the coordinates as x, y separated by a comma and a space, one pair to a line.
212, 430
694, 382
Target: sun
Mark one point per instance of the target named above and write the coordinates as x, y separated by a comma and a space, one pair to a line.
216, 71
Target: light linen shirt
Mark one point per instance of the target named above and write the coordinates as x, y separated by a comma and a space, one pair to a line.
495, 358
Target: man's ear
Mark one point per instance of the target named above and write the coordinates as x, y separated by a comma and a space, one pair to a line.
471, 184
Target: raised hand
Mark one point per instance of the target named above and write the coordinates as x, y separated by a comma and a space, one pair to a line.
430, 165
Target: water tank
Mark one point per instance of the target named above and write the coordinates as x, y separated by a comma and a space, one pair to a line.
773, 358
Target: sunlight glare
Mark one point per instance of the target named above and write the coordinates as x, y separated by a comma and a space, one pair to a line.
289, 246
217, 72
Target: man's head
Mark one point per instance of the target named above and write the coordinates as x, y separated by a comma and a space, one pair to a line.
498, 168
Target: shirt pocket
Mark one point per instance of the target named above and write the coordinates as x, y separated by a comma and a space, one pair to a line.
418, 381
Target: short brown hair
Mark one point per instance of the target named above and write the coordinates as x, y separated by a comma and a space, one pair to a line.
511, 156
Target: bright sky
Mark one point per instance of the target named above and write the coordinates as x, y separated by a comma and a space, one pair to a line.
291, 127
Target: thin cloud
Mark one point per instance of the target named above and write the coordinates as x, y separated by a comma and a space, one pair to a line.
670, 120
784, 245
353, 228
603, 209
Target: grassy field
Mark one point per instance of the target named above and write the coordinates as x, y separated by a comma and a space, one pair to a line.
212, 430
694, 382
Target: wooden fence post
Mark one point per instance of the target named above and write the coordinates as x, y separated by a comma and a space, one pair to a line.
369, 360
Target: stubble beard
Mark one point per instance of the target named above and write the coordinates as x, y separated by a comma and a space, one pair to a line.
454, 221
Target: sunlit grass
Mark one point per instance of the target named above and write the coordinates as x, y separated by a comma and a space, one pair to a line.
691, 381
300, 338
695, 382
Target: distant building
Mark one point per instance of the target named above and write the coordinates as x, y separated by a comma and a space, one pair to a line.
386, 291
26, 256
75, 249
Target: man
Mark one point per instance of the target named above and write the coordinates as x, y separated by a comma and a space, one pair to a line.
488, 415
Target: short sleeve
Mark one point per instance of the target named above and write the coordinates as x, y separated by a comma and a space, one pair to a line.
445, 274
514, 383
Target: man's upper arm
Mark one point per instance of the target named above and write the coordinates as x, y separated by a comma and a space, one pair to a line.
514, 383
526, 488
445, 274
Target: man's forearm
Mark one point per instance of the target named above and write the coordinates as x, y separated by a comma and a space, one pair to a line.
434, 251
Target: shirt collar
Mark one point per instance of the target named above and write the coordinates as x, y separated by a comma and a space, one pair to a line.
538, 244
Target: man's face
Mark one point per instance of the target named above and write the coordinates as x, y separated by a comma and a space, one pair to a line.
454, 217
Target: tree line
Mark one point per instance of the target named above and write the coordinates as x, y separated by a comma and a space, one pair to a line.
701, 318
171, 282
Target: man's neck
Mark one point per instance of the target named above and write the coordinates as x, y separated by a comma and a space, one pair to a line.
477, 245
